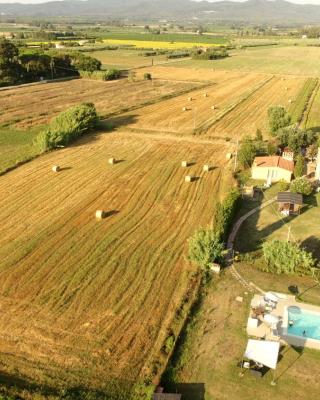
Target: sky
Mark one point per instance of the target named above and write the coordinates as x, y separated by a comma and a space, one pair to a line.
44, 1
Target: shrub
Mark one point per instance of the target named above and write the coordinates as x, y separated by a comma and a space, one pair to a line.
287, 258
107, 75
205, 248
169, 344
68, 126
301, 185
283, 185
224, 214
147, 76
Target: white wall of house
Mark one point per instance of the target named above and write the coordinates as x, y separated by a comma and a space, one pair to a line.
274, 174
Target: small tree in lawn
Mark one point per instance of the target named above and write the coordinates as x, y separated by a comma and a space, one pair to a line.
246, 153
205, 248
278, 118
299, 167
301, 185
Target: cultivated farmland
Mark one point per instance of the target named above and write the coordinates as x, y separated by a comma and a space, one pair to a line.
236, 105
87, 301
34, 105
250, 114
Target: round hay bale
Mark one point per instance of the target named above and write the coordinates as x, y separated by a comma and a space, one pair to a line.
56, 168
184, 164
290, 101
188, 178
190, 99
112, 161
184, 109
228, 156
205, 95
213, 107
100, 214
206, 168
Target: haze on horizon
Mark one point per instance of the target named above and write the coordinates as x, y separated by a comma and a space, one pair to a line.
317, 2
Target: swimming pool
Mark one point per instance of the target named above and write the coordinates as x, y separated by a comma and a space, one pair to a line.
303, 323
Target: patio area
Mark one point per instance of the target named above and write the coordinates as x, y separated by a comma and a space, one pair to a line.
268, 319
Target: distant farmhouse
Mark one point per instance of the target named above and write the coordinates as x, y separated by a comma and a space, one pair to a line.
272, 169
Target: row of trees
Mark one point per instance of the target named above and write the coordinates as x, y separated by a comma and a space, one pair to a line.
32, 65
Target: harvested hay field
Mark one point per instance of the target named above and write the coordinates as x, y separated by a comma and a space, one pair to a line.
197, 110
235, 107
91, 302
188, 74
28, 106
251, 114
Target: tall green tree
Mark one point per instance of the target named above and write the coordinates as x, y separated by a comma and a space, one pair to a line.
247, 152
278, 118
11, 72
299, 167
205, 248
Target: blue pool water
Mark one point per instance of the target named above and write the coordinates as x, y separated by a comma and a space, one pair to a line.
305, 323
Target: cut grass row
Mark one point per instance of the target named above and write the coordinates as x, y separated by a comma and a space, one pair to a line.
74, 291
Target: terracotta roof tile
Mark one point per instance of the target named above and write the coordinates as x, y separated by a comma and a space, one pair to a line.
274, 161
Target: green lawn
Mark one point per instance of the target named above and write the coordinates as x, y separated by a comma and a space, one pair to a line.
269, 224
16, 146
296, 60
216, 345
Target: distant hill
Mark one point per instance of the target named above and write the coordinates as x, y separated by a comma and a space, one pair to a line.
277, 11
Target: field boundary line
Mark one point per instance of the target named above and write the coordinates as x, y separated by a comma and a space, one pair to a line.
230, 246
25, 85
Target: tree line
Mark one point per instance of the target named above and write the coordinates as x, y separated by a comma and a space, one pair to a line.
29, 65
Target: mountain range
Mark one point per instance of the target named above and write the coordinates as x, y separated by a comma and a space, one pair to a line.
276, 11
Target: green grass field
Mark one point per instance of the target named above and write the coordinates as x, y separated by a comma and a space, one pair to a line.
217, 341
16, 146
293, 60
167, 37
269, 224
124, 59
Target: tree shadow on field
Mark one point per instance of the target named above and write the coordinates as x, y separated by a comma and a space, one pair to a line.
105, 127
312, 244
189, 391
12, 384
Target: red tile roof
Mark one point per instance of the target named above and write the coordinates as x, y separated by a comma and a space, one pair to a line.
274, 161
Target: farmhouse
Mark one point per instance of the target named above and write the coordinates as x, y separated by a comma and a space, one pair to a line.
272, 169
290, 203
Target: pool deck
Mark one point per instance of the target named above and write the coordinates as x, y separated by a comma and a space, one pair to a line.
264, 331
